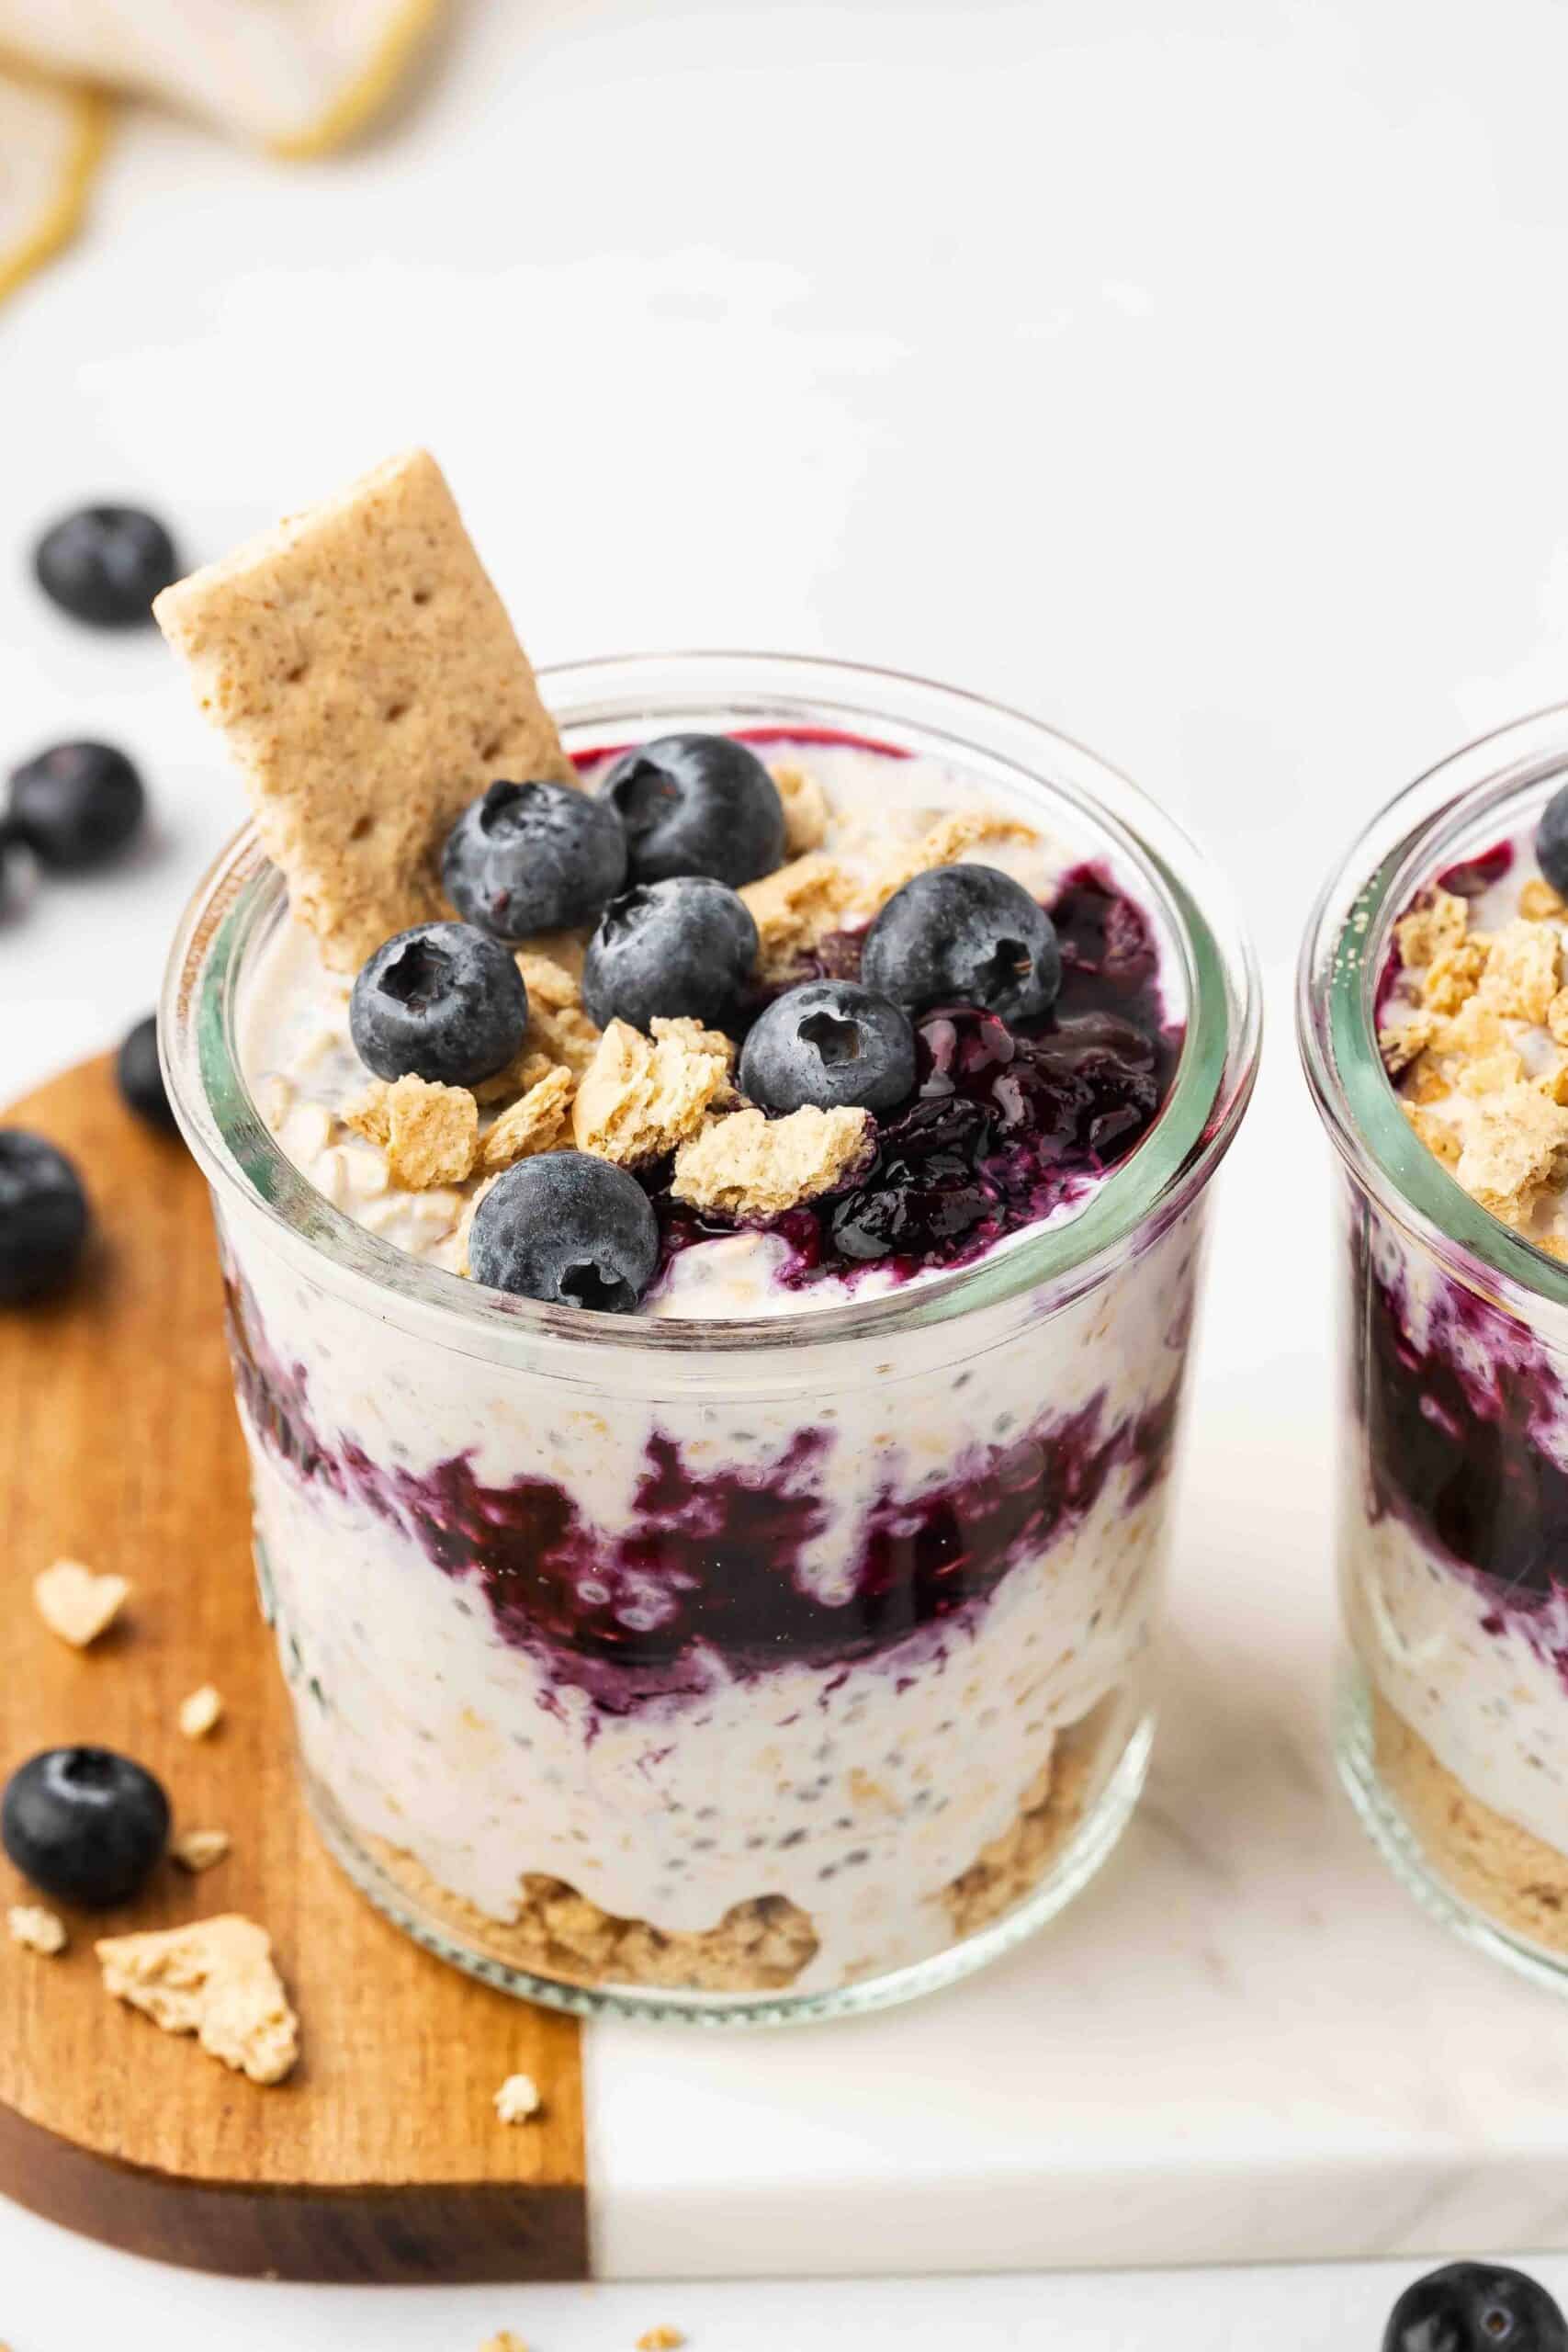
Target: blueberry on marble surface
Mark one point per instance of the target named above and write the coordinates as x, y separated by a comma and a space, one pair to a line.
832, 1044
443, 1001
76, 804
567, 1227
43, 1217
697, 804
1474, 2307
965, 935
141, 1077
1551, 841
104, 564
85, 1824
530, 857
683, 947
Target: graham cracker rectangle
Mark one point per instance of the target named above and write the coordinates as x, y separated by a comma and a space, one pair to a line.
365, 678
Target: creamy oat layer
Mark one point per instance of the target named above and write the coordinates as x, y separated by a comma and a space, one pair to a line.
409, 1161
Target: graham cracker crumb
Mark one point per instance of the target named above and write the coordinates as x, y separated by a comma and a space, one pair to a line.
748, 1166
1404, 1042
539, 1121
642, 1096
76, 1604
1502, 1869
37, 1929
368, 684
660, 2339
505, 2342
1557, 1016
214, 1978
805, 808
1432, 930
516, 1078
1520, 979
1475, 1028
1538, 901
758, 1946
432, 1134
201, 1712
1428, 1085
200, 1849
518, 2098
548, 981
1441, 1140
1488, 1073
563, 1033
367, 1113
1511, 1149
794, 907
944, 843
1453, 977
1012, 1865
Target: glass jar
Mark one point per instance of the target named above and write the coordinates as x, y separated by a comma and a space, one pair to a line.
1452, 1731
736, 1671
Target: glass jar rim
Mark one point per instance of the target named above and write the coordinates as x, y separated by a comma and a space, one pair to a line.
1414, 837
1209, 1094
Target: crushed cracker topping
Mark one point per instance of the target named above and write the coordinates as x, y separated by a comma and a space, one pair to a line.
642, 1096
505, 2342
432, 1134
951, 838
1538, 900
201, 1712
539, 1120
518, 2098
1520, 979
1433, 930
660, 2339
214, 1978
37, 1929
76, 1604
796, 906
805, 808
748, 1166
200, 1849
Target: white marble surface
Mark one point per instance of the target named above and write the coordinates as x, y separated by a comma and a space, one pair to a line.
1197, 381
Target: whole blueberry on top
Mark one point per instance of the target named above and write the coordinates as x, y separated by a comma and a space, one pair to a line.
443, 1001
104, 564
1551, 841
1472, 2307
685, 946
43, 1217
965, 935
831, 1043
570, 1227
142, 1079
76, 805
85, 1824
529, 857
697, 804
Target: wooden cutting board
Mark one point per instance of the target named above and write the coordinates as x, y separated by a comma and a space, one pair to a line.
382, 2157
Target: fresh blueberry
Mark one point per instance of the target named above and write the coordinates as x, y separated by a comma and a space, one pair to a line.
1551, 841
443, 1001
76, 804
1471, 2307
529, 857
830, 1043
104, 564
85, 1824
685, 946
697, 804
965, 935
567, 1227
141, 1077
43, 1217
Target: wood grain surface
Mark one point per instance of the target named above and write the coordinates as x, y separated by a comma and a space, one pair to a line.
381, 2158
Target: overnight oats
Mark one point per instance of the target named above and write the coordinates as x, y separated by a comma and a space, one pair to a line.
1435, 1026
709, 1166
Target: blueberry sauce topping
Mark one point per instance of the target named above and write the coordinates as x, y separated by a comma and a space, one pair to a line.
710, 1576
1007, 1122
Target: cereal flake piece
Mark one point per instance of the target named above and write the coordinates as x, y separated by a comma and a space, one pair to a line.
805, 808
1539, 902
432, 1134
214, 1978
200, 1849
1432, 930
748, 1166
642, 1096
37, 1929
1510, 1149
518, 2098
794, 907
1520, 979
75, 1604
539, 1121
660, 2339
1404, 1042
201, 1712
368, 684
944, 843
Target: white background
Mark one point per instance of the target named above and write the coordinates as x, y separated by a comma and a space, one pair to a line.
1197, 379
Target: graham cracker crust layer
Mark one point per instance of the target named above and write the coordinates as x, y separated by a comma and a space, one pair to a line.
761, 1945
1490, 1861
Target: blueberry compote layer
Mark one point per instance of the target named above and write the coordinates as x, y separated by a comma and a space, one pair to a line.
1008, 1124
